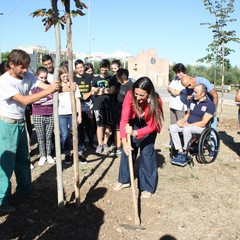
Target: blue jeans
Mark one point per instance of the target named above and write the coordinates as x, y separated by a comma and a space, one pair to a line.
65, 124
147, 179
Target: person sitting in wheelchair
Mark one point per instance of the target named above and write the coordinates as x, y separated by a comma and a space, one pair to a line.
200, 111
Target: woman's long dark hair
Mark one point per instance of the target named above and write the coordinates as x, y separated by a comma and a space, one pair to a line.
155, 108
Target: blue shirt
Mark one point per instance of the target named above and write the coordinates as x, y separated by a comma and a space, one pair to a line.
198, 109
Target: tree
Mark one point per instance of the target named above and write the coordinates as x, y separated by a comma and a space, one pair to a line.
221, 9
51, 17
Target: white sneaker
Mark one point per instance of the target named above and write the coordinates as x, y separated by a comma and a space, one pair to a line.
120, 186
42, 161
50, 159
146, 194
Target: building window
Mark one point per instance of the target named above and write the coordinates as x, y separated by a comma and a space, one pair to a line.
153, 60
135, 67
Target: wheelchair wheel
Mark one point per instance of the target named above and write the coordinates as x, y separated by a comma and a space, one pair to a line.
208, 147
192, 148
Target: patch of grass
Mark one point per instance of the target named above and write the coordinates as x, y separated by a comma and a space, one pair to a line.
229, 165
85, 170
191, 176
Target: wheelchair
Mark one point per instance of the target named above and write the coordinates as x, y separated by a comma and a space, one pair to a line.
204, 147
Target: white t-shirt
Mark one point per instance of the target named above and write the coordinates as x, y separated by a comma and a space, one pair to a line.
65, 104
178, 102
50, 77
9, 87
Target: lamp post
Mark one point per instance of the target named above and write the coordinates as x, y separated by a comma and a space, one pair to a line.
89, 30
0, 41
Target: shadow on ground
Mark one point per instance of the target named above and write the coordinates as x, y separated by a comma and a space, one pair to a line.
228, 140
42, 219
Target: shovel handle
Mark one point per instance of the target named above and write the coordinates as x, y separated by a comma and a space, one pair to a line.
130, 163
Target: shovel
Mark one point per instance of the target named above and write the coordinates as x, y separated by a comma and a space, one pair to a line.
137, 222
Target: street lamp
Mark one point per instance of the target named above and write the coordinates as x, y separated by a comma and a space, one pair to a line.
0, 41
89, 30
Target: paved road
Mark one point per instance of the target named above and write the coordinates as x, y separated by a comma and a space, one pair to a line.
228, 97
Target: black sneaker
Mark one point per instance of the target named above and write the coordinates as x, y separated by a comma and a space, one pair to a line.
82, 160
68, 159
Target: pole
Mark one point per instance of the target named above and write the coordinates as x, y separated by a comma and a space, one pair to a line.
89, 30
73, 103
0, 41
55, 109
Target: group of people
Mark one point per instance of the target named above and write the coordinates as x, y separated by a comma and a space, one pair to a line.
193, 104
110, 106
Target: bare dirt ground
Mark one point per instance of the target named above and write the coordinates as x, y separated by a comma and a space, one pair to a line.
190, 203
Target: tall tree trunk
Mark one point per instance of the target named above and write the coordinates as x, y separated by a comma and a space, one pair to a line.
55, 108
223, 73
73, 101
215, 69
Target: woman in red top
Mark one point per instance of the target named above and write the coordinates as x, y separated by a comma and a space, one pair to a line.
142, 117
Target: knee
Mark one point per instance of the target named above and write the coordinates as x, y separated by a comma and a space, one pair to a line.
173, 128
186, 130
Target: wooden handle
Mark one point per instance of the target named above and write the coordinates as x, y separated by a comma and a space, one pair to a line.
130, 163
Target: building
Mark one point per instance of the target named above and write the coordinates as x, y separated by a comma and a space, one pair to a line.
147, 63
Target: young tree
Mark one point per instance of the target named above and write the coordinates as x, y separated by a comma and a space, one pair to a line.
51, 17
221, 9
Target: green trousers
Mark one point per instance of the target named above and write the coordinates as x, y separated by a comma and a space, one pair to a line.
14, 156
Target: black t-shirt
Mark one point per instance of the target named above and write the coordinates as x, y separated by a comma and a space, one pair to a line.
104, 101
84, 83
123, 90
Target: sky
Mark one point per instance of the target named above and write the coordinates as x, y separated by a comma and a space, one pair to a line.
172, 27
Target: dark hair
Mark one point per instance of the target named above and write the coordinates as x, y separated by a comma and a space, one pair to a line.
179, 67
117, 62
4, 67
41, 69
104, 63
122, 74
89, 66
19, 57
155, 107
46, 58
203, 89
78, 61
64, 63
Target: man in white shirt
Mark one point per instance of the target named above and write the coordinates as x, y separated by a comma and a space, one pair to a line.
15, 85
